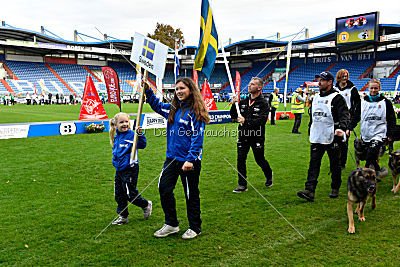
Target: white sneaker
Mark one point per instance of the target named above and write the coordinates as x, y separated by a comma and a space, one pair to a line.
166, 230
189, 234
147, 210
120, 220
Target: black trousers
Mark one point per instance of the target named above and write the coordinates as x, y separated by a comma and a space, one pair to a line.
125, 190
273, 111
297, 122
343, 152
190, 181
243, 147
317, 152
372, 154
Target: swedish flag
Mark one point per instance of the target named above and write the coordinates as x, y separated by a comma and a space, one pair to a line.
207, 50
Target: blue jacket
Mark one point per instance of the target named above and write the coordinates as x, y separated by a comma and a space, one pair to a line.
185, 137
122, 148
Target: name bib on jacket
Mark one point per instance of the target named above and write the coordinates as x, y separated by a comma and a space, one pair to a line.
322, 127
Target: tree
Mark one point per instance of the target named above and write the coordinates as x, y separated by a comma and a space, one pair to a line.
167, 35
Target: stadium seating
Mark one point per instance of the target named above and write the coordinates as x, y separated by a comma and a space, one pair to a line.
35, 76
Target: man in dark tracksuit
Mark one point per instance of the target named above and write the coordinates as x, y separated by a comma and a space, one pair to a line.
252, 119
328, 122
350, 93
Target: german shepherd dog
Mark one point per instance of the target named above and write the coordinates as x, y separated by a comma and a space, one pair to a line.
360, 185
394, 166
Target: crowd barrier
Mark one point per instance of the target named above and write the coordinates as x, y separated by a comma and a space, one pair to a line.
148, 121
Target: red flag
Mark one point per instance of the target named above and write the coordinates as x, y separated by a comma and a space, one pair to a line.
195, 77
237, 84
91, 108
208, 97
112, 84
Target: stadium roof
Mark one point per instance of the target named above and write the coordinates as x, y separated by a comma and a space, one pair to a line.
12, 33
8, 32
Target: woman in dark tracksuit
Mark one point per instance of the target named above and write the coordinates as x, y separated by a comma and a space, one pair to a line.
187, 116
378, 121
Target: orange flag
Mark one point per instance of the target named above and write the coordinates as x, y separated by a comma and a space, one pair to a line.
208, 97
92, 108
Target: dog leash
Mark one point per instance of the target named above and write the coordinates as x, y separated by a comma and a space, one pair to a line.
348, 150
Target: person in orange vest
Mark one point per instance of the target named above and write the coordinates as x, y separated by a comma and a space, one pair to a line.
297, 106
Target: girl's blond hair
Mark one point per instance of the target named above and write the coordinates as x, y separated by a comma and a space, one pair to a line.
113, 129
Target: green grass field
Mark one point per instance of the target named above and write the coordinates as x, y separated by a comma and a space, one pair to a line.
57, 196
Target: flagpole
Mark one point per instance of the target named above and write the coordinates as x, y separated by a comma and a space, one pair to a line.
225, 60
289, 54
138, 119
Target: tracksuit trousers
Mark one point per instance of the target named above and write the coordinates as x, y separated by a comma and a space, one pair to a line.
243, 147
125, 190
317, 152
343, 152
190, 180
273, 112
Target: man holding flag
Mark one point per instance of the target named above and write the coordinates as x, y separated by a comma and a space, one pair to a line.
254, 114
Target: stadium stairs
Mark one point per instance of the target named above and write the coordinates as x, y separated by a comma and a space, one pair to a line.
91, 73
328, 69
227, 83
9, 71
59, 78
265, 78
368, 71
5, 84
364, 87
396, 70
292, 70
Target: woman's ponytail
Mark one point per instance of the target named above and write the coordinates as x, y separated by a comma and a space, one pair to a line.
112, 131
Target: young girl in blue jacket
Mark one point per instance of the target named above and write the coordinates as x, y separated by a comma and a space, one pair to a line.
187, 116
127, 170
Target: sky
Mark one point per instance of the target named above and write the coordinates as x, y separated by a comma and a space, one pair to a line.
238, 20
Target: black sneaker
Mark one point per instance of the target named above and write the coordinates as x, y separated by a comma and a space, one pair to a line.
334, 193
270, 181
240, 189
306, 194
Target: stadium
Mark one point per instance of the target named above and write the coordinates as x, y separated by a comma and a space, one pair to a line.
58, 190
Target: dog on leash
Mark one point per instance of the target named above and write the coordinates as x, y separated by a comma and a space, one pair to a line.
360, 153
394, 166
360, 186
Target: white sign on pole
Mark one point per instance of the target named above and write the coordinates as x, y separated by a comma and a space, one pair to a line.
153, 121
149, 54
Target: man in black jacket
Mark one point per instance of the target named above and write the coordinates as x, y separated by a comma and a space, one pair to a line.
350, 93
253, 116
329, 118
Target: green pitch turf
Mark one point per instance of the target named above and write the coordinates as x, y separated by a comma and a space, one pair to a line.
57, 196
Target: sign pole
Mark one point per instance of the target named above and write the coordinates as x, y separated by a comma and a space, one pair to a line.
138, 118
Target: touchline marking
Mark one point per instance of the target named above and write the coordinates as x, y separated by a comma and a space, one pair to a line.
233, 167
